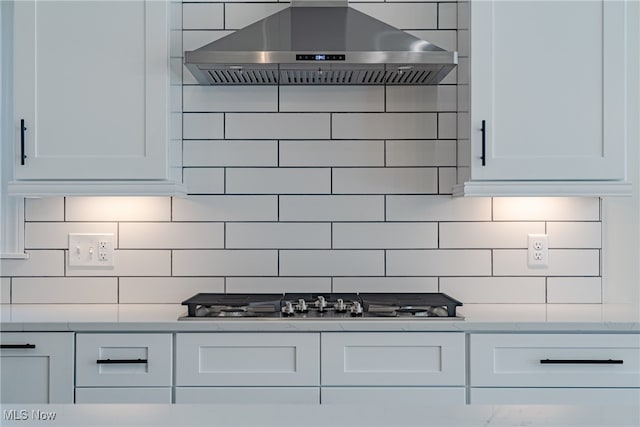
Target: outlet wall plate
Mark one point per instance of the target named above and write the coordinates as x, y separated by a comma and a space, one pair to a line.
91, 250
538, 251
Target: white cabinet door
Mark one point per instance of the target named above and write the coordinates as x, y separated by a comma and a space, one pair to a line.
248, 395
394, 395
36, 367
548, 80
91, 84
135, 360
123, 395
554, 396
247, 359
393, 359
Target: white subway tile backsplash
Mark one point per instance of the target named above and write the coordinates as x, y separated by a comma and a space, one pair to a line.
203, 126
118, 209
447, 16
446, 180
332, 153
546, 209
438, 262
574, 234
130, 263
171, 235
487, 234
278, 284
332, 263
5, 290
331, 208
420, 153
562, 262
385, 284
576, 290
384, 125
165, 290
402, 15
447, 125
65, 290
204, 180
230, 153
421, 98
220, 262
383, 235
201, 99
39, 263
437, 208
55, 235
44, 209
278, 235
238, 15
278, 181
225, 208
385, 180
495, 290
202, 16
331, 98
192, 40
277, 125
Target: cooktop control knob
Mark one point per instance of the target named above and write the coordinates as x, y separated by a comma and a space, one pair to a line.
321, 303
340, 306
439, 311
288, 310
302, 306
356, 309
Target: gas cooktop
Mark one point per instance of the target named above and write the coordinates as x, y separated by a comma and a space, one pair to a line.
432, 306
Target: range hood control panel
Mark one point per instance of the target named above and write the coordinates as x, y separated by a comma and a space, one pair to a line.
319, 57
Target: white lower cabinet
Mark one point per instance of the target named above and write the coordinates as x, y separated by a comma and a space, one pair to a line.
36, 367
247, 367
124, 368
554, 368
393, 367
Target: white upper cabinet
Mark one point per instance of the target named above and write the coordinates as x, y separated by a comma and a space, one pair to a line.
91, 88
543, 98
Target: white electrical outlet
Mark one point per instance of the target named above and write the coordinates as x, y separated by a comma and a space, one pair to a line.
91, 250
538, 250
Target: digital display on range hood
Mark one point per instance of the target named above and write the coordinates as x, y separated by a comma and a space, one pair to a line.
319, 57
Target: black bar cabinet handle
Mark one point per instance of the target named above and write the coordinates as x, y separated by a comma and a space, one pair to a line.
484, 143
120, 361
3, 346
582, 361
22, 130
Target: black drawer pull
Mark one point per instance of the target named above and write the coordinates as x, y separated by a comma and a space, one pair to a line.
120, 361
582, 361
16, 346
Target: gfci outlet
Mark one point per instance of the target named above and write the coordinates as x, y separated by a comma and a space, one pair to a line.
91, 250
538, 250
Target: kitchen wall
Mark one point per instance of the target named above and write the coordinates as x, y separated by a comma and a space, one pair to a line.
313, 189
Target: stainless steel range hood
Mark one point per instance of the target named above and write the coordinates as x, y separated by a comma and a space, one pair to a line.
320, 43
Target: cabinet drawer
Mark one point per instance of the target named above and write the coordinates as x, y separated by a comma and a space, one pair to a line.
248, 395
554, 396
123, 360
396, 395
376, 359
555, 360
251, 359
124, 395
